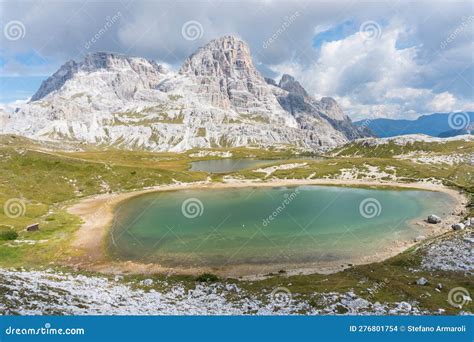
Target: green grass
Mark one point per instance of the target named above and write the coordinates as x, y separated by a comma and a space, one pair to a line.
41, 184
8, 234
49, 244
207, 278
255, 118
44, 181
201, 132
358, 149
174, 97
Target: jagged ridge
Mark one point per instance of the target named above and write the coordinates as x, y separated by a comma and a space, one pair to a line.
217, 99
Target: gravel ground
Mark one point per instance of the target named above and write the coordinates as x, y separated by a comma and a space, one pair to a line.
51, 292
454, 254
55, 293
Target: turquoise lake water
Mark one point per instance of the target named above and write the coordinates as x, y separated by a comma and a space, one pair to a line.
304, 224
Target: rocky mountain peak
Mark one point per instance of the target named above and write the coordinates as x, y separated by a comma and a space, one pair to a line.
102, 60
110, 67
227, 56
328, 102
113, 61
329, 105
271, 81
218, 99
225, 74
288, 83
57, 80
298, 101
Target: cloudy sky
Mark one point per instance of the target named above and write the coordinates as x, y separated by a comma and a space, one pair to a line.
394, 59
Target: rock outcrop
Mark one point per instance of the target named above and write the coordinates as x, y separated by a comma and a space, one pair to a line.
433, 219
217, 99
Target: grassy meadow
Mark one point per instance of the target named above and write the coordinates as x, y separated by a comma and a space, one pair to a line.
38, 182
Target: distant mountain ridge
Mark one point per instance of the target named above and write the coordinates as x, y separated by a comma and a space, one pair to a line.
469, 129
217, 99
435, 125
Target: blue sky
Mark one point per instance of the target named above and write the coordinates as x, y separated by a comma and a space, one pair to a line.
378, 59
334, 33
18, 87
22, 86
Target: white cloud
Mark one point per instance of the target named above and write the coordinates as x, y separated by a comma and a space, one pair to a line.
443, 102
372, 77
11, 106
402, 73
321, 28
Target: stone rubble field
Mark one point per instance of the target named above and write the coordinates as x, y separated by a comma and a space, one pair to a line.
56, 293
455, 254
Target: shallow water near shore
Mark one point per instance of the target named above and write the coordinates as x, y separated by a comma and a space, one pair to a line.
263, 226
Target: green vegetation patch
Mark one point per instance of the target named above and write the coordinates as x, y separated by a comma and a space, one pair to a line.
44, 181
7, 234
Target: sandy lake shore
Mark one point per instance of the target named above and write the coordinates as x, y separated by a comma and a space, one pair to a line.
97, 213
